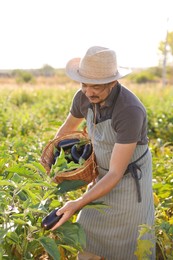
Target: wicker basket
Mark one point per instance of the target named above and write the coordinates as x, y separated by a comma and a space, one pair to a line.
87, 172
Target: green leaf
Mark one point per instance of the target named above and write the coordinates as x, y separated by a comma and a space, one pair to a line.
143, 250
13, 236
99, 205
71, 249
60, 164
66, 186
73, 235
23, 196
48, 194
50, 247
16, 178
19, 221
3, 233
164, 195
7, 183
18, 215
2, 163
171, 221
61, 159
36, 166
31, 195
37, 184
144, 229
72, 166
21, 170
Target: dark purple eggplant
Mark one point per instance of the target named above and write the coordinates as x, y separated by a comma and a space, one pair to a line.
67, 143
57, 153
75, 154
82, 152
87, 151
51, 219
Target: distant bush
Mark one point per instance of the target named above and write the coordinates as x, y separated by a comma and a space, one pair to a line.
156, 71
23, 76
152, 74
142, 77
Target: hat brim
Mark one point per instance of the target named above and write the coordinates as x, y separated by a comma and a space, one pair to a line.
72, 70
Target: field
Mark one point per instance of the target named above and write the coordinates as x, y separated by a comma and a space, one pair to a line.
30, 115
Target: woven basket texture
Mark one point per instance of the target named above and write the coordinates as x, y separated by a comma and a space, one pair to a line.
87, 172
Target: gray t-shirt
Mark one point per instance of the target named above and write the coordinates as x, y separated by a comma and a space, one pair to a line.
127, 114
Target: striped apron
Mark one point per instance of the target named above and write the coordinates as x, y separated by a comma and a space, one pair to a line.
113, 233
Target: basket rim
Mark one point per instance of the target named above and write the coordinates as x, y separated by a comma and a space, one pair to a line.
61, 137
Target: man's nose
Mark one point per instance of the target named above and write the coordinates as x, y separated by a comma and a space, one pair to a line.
89, 92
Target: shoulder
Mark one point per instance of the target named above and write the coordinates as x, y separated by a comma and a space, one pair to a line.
80, 97
79, 105
128, 100
78, 94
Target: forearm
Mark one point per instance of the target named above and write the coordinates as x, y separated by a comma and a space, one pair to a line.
71, 124
63, 129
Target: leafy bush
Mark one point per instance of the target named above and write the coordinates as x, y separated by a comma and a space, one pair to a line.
152, 74
142, 77
23, 76
27, 196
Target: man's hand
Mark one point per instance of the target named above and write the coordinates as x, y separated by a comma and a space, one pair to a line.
67, 210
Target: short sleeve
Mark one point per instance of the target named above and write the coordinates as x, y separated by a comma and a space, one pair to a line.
79, 106
130, 125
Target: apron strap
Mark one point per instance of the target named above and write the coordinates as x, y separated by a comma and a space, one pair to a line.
136, 173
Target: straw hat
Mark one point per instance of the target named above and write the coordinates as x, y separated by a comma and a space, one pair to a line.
98, 66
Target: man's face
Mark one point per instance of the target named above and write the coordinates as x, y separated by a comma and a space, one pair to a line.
96, 93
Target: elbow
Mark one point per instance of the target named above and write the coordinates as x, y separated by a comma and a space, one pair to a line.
115, 177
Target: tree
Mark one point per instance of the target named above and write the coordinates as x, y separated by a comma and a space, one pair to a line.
166, 47
47, 71
166, 50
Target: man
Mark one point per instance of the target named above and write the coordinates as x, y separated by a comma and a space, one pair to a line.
117, 124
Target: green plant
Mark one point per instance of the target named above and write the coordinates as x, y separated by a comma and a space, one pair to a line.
142, 77
23, 76
27, 196
163, 194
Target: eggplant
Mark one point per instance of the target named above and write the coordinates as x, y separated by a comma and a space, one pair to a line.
57, 153
75, 154
82, 153
67, 143
51, 219
86, 152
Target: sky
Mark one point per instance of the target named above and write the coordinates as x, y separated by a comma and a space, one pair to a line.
34, 33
